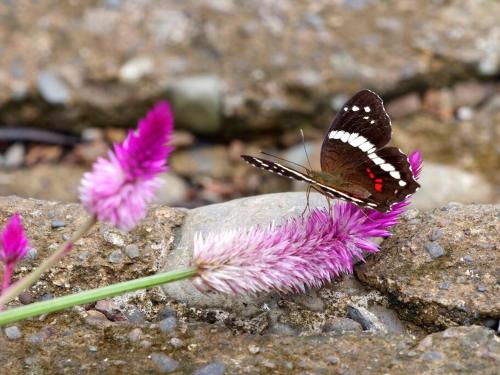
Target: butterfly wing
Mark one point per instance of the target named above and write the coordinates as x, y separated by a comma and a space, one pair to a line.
354, 149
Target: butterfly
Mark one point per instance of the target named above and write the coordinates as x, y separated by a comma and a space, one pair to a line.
356, 165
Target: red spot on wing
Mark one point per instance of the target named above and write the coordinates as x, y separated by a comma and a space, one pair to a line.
378, 187
379, 180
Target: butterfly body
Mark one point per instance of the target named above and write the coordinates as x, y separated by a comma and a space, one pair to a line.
355, 164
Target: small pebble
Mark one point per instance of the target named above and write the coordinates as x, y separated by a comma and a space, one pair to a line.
168, 325
481, 288
83, 255
135, 316
32, 254
164, 363
38, 338
254, 349
436, 234
176, 342
432, 356
132, 251
28, 361
146, 344
46, 297
167, 312
214, 368
331, 359
468, 259
25, 298
14, 156
92, 349
135, 335
13, 332
57, 224
115, 257
444, 285
435, 250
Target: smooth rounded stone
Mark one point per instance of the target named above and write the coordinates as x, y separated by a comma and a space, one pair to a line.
441, 184
440, 292
135, 316
239, 213
57, 224
132, 251
135, 335
435, 250
214, 368
177, 343
173, 191
97, 319
365, 318
13, 332
341, 325
136, 68
52, 88
116, 256
436, 234
25, 298
168, 325
164, 364
197, 102
14, 156
32, 254
166, 312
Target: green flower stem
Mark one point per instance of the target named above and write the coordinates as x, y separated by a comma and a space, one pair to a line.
61, 303
17, 288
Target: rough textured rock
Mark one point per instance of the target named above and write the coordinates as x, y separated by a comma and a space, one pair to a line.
459, 287
120, 55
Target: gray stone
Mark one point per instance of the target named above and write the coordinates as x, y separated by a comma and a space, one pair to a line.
52, 88
177, 343
164, 364
444, 285
368, 320
57, 224
436, 234
13, 332
214, 368
116, 256
135, 335
166, 312
14, 156
136, 68
441, 184
239, 213
435, 250
132, 251
197, 102
173, 191
168, 325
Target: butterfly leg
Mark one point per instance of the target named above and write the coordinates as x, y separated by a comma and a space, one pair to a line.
307, 200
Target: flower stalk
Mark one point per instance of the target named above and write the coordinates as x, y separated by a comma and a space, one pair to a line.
93, 295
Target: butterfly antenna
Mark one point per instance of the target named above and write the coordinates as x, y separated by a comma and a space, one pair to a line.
305, 150
288, 161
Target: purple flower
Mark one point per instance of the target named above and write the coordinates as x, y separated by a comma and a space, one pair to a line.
118, 189
14, 247
302, 253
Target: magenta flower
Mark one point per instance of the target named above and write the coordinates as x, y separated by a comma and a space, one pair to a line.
118, 189
14, 247
302, 253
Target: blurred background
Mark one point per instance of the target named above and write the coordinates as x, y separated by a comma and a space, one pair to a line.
245, 76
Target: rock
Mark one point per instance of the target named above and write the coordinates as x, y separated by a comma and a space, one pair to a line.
14, 156
135, 335
436, 234
164, 364
135, 315
25, 298
167, 312
202, 162
53, 88
197, 102
132, 251
365, 318
168, 325
441, 184
388, 318
442, 292
57, 224
116, 256
244, 212
173, 191
435, 250
176, 342
214, 368
13, 332
97, 319
404, 106
135, 69
111, 310
341, 325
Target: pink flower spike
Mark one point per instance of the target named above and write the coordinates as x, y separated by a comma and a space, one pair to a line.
14, 241
118, 189
14, 247
302, 253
